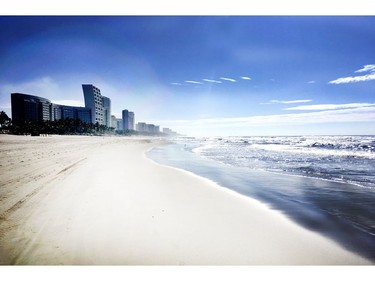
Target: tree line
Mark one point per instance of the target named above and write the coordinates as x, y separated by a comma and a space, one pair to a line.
67, 126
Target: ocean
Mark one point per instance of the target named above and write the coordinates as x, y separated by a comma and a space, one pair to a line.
323, 183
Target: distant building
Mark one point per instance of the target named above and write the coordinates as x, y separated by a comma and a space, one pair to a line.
116, 123
168, 131
141, 127
150, 128
119, 126
131, 120
113, 121
94, 101
127, 120
106, 111
33, 108
147, 128
154, 129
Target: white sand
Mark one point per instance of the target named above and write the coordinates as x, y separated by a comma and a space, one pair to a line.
94, 200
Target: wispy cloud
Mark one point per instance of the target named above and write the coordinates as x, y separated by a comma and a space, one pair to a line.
227, 79
311, 82
353, 79
245, 78
193, 82
212, 81
366, 68
286, 101
359, 114
40, 87
330, 106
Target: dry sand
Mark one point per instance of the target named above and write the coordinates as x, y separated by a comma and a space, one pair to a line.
98, 200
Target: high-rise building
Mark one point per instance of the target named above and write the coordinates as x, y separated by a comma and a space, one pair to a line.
113, 121
33, 108
141, 127
131, 121
151, 128
127, 120
119, 126
94, 101
106, 111
148, 128
167, 131
30, 108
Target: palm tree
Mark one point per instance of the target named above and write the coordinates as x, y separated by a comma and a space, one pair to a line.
4, 120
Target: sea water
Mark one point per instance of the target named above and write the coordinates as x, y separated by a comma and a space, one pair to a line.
324, 183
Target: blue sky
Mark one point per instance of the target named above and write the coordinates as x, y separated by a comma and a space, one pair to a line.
202, 75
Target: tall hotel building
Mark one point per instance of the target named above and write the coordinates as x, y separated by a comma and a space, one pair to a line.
32, 108
127, 120
94, 101
106, 111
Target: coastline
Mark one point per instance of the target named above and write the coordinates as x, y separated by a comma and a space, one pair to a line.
341, 212
100, 200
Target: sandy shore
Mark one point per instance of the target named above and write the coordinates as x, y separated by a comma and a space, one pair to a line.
99, 200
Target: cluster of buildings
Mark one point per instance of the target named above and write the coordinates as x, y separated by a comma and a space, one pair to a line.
97, 110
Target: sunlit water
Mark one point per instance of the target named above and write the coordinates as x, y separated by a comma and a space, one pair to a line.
325, 183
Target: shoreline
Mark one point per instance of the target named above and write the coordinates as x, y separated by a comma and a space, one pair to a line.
333, 210
110, 204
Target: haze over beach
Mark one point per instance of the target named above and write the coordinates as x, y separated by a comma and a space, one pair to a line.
274, 167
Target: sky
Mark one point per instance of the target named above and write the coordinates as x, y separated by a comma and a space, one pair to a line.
202, 75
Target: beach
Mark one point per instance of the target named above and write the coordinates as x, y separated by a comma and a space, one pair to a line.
82, 200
